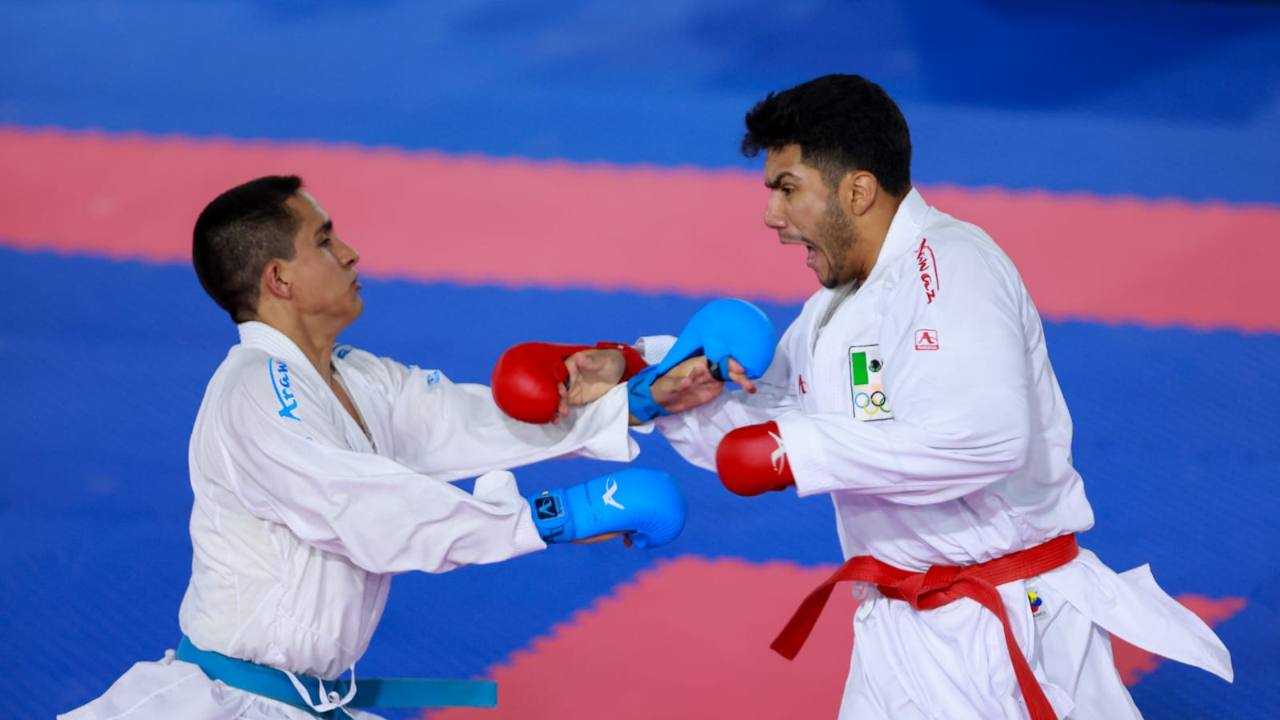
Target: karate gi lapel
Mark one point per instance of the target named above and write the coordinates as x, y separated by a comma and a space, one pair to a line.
264, 337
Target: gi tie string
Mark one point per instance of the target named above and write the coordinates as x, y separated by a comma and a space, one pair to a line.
938, 586
326, 701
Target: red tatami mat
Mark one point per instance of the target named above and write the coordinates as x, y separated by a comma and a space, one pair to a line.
690, 638
432, 217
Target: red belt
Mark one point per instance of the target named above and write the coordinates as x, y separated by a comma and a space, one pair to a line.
938, 586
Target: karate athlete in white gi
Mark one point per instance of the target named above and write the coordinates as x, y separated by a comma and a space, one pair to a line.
320, 472
915, 390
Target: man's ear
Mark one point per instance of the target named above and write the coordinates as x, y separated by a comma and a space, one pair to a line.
275, 282
858, 191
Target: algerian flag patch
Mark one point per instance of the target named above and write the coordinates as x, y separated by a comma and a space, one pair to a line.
865, 366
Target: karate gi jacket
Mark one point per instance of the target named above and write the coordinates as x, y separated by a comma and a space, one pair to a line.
300, 520
924, 404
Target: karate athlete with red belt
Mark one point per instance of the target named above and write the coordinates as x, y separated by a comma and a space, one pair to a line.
320, 471
915, 390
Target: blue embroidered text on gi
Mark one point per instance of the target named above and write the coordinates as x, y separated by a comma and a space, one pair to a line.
280, 380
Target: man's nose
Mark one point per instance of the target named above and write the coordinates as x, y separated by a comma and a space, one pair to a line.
773, 217
351, 255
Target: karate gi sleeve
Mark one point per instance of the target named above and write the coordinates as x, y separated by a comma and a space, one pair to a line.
378, 513
696, 433
961, 412
456, 430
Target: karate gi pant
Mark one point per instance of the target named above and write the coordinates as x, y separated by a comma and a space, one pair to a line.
952, 663
169, 689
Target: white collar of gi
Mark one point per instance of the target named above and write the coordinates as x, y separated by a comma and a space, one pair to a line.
903, 231
260, 335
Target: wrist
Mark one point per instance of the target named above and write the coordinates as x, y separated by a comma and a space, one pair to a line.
633, 362
551, 516
640, 401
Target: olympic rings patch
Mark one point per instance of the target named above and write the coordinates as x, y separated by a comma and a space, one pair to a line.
872, 403
867, 389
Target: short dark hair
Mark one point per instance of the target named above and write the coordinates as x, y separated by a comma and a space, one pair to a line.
842, 123
237, 234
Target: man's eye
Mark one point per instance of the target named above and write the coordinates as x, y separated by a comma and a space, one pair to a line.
324, 242
788, 190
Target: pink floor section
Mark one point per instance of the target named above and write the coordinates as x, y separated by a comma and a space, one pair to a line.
690, 639
432, 217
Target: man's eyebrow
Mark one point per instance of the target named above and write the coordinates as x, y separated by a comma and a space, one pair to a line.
774, 183
325, 229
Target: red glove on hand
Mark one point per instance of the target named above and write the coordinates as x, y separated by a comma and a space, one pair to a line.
752, 460
526, 377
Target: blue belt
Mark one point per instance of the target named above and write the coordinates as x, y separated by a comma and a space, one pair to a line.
275, 684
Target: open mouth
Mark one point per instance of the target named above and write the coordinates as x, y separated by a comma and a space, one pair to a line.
812, 255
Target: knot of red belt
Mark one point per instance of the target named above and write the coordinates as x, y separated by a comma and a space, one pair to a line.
938, 586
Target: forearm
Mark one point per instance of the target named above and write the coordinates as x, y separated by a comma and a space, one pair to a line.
899, 461
697, 433
379, 514
466, 434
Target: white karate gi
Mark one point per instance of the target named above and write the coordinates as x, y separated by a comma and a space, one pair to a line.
300, 519
925, 405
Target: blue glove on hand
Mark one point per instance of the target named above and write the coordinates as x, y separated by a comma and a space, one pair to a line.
645, 504
720, 330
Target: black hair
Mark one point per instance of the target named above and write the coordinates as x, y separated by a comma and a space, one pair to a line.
237, 234
842, 123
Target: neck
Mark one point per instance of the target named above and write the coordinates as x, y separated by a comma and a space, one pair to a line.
868, 253
314, 337
872, 230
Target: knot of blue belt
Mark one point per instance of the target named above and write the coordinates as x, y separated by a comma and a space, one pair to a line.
334, 695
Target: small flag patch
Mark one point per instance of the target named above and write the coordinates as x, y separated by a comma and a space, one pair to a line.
869, 399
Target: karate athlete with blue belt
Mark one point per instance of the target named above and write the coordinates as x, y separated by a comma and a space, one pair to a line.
915, 390
319, 472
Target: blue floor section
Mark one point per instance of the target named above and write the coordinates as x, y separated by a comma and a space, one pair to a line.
106, 367
1154, 97
102, 364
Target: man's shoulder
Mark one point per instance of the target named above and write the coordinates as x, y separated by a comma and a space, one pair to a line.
247, 364
379, 371
950, 258
944, 234
349, 359
946, 246
352, 355
255, 376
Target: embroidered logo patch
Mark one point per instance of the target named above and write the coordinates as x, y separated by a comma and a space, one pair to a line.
927, 339
928, 267
611, 487
778, 458
869, 400
1038, 609
546, 507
